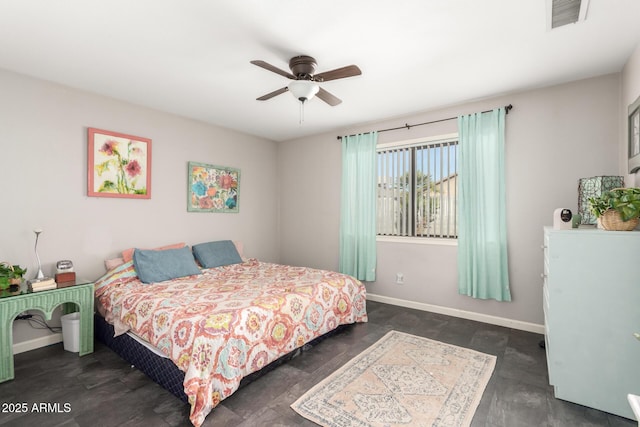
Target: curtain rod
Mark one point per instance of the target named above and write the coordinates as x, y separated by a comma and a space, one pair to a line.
407, 126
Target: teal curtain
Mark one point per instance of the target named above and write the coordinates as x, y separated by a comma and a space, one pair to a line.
358, 206
482, 235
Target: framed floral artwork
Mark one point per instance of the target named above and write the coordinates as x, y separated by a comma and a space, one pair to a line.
634, 136
213, 188
119, 165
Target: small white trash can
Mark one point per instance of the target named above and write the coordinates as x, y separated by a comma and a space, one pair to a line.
71, 332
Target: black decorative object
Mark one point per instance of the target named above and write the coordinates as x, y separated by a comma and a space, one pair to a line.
594, 187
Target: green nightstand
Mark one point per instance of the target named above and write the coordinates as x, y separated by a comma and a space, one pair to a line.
15, 301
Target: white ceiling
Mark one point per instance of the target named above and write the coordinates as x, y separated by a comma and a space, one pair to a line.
191, 57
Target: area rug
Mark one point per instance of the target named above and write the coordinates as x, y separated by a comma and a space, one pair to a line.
401, 380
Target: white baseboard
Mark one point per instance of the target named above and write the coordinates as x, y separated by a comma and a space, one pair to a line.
470, 315
28, 345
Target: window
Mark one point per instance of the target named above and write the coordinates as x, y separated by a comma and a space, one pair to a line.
417, 188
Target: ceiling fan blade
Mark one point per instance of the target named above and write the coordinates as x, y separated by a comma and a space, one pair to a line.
328, 98
272, 94
274, 69
338, 73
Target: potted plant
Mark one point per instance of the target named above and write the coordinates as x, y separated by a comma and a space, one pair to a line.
17, 275
617, 209
10, 274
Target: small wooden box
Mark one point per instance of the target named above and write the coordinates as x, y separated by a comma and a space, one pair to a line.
66, 277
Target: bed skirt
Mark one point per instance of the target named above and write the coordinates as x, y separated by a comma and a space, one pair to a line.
160, 369
163, 371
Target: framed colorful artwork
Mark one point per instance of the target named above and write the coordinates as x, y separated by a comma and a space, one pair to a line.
634, 136
213, 188
119, 165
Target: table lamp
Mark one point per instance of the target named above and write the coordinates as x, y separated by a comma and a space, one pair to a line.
39, 275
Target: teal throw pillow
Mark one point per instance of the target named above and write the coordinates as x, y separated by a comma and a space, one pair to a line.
160, 265
216, 254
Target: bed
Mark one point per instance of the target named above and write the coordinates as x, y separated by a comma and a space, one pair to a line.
224, 322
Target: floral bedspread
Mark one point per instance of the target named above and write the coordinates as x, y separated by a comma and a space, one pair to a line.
230, 321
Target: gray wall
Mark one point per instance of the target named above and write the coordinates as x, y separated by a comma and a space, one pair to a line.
43, 152
290, 192
554, 136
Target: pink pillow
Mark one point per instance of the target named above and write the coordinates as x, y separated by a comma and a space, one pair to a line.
113, 263
127, 254
239, 247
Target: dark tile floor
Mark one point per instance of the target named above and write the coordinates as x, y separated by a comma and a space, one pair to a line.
103, 390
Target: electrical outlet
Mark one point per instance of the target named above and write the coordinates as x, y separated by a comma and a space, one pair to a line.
399, 279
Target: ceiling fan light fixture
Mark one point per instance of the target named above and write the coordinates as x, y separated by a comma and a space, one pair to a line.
304, 85
303, 90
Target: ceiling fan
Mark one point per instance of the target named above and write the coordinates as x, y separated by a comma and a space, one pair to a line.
304, 84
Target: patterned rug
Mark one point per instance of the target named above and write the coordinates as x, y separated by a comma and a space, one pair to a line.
401, 380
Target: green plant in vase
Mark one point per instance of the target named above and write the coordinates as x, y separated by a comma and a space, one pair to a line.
5, 273
10, 275
617, 209
18, 275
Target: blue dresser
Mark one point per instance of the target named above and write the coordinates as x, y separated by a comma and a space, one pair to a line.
591, 300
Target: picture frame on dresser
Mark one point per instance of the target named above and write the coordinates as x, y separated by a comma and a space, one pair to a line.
633, 128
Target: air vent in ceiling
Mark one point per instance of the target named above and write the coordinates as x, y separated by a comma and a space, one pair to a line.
563, 12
